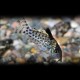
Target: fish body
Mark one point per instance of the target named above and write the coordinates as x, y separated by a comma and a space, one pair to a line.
44, 41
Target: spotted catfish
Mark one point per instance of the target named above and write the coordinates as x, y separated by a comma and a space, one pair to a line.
44, 41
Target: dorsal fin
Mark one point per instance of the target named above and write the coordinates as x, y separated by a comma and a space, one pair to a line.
49, 33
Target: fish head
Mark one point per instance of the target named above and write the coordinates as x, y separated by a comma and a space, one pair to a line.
56, 53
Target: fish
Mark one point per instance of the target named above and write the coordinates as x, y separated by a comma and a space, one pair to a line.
44, 40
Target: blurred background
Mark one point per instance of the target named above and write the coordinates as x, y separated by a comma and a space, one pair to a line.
65, 30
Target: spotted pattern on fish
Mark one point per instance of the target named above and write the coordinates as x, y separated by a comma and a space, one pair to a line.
41, 39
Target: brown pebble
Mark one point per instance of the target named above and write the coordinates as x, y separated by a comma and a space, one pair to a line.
12, 62
20, 60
